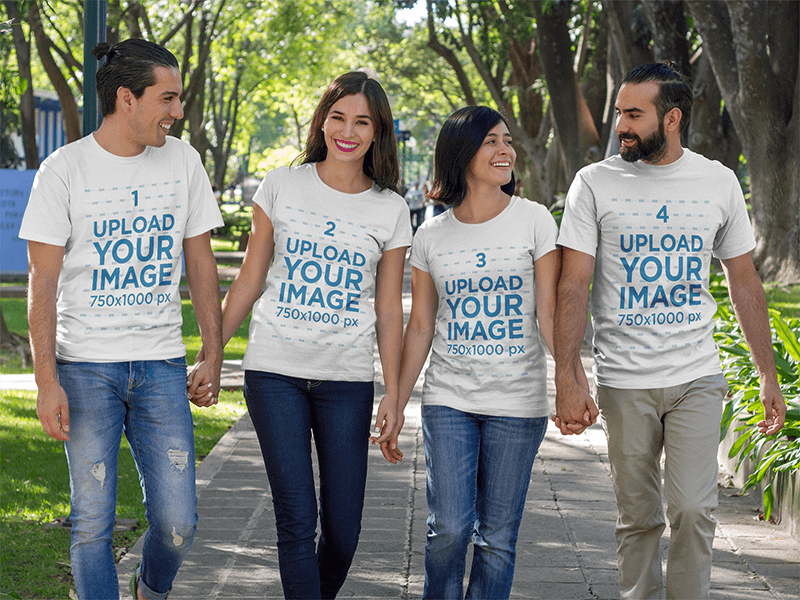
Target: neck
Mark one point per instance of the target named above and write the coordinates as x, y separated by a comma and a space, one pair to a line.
481, 204
344, 177
111, 137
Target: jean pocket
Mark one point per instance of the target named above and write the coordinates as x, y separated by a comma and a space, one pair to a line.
176, 362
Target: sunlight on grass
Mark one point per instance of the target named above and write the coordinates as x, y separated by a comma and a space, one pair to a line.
34, 490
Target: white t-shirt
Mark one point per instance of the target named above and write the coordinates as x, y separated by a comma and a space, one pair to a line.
122, 222
653, 231
315, 318
487, 356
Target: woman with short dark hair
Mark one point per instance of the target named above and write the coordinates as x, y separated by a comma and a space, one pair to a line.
483, 273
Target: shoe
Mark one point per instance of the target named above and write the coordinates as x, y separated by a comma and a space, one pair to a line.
135, 582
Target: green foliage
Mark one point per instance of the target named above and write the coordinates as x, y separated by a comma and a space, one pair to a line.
34, 491
775, 454
237, 221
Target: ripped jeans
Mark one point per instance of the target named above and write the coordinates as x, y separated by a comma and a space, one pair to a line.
145, 400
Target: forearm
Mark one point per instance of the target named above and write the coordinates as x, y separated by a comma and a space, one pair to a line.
201, 274
42, 330
238, 303
750, 306
568, 331
389, 331
44, 269
416, 345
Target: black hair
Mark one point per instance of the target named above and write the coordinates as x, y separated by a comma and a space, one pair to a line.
459, 140
673, 91
128, 64
380, 162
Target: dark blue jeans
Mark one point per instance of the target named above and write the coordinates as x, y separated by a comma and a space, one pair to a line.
285, 411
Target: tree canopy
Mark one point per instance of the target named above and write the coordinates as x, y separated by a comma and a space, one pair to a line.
254, 71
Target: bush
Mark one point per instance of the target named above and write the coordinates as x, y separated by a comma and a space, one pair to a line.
774, 454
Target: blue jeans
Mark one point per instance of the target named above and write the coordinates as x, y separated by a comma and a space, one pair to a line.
479, 468
147, 401
285, 411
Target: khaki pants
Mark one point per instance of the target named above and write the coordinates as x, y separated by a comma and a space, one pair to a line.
684, 420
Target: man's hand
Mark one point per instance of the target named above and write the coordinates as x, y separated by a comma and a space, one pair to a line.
52, 408
575, 408
774, 410
202, 381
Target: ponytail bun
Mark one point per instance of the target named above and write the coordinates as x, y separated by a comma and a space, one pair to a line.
103, 49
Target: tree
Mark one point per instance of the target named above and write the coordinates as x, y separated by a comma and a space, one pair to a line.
22, 47
754, 50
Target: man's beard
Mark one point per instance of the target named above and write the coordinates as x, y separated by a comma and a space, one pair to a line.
652, 149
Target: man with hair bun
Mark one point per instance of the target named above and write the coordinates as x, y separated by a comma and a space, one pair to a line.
642, 228
109, 219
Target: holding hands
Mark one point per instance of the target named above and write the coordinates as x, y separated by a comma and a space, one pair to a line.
203, 381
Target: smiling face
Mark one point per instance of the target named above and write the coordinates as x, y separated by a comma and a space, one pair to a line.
493, 163
157, 108
639, 129
349, 129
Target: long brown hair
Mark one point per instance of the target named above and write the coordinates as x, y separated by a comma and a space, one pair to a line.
380, 162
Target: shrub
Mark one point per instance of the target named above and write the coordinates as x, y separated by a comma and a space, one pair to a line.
774, 454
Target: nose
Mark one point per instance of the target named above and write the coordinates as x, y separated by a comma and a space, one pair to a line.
177, 110
618, 125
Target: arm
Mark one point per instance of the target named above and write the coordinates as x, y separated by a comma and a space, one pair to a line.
575, 407
416, 345
546, 273
750, 306
52, 405
389, 331
201, 275
249, 282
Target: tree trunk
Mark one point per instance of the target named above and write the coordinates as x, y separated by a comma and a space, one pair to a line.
755, 55
69, 108
447, 54
27, 107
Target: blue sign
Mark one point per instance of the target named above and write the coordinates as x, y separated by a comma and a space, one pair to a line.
15, 189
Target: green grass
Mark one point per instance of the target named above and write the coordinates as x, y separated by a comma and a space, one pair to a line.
34, 490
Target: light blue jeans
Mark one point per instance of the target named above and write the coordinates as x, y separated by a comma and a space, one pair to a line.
478, 468
145, 400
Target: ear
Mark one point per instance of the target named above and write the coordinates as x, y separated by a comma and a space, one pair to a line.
125, 99
672, 120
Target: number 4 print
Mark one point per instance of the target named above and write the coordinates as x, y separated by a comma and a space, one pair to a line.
662, 214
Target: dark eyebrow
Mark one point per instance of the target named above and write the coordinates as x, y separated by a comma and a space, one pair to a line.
170, 93
339, 112
629, 110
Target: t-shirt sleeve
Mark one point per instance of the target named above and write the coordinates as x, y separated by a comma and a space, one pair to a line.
419, 258
579, 229
735, 237
204, 213
545, 232
401, 236
47, 217
268, 189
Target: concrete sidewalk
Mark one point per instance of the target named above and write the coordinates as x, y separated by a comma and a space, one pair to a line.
566, 547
